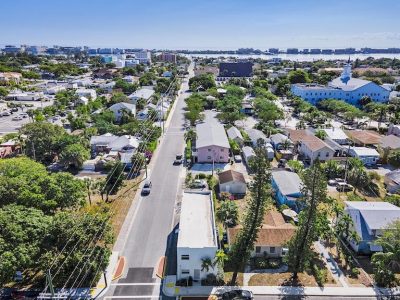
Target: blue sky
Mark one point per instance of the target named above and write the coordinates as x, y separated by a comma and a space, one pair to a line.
202, 24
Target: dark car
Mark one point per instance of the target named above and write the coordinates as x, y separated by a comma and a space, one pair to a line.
178, 159
146, 188
237, 295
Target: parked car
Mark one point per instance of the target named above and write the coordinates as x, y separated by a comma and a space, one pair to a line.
14, 109
6, 113
282, 163
178, 159
199, 183
332, 182
24, 115
17, 118
238, 158
236, 295
146, 188
344, 187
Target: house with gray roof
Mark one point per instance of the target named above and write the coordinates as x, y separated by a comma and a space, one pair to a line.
287, 187
143, 93
392, 181
120, 108
370, 220
235, 135
278, 140
255, 135
108, 142
212, 144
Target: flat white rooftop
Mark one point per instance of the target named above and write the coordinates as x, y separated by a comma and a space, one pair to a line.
196, 225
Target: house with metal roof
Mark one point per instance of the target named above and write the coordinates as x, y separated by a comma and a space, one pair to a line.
287, 188
370, 220
212, 144
392, 181
369, 156
345, 87
143, 93
248, 153
337, 135
120, 108
278, 140
255, 135
313, 148
235, 135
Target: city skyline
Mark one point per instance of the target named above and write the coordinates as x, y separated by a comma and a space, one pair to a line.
206, 25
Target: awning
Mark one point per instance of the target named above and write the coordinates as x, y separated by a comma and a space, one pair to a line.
375, 248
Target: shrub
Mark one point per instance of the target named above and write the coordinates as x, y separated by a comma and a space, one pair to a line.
202, 176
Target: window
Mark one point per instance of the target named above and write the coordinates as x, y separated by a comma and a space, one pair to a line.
184, 271
185, 257
258, 249
327, 154
222, 150
208, 157
319, 154
209, 149
271, 249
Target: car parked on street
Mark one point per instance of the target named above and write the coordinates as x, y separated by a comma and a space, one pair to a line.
236, 295
344, 187
17, 118
178, 159
146, 188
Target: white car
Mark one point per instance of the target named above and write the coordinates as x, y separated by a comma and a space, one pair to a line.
23, 115
17, 118
6, 114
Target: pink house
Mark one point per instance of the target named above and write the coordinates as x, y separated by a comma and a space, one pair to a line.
212, 144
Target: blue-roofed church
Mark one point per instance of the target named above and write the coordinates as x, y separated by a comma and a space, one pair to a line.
344, 88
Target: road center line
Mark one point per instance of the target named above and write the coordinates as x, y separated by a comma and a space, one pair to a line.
135, 283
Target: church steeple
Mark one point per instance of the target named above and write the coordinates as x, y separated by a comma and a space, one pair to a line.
346, 74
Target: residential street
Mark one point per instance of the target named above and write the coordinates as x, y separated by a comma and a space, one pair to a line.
153, 220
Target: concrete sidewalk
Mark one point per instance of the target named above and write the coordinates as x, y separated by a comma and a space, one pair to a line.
169, 289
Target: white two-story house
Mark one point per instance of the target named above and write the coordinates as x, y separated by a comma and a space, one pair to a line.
197, 238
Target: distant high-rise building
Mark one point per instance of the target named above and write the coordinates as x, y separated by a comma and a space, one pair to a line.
35, 50
292, 51
306, 51
11, 49
105, 51
327, 51
273, 50
315, 51
144, 56
236, 69
168, 57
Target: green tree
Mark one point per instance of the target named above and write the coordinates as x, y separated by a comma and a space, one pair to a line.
394, 158
23, 230
228, 213
74, 155
296, 165
394, 199
332, 169
387, 263
357, 174
203, 81
298, 76
256, 205
321, 134
311, 220
114, 179
40, 139
267, 110
26, 182
206, 264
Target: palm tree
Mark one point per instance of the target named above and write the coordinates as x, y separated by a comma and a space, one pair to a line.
357, 174
206, 264
228, 213
220, 258
286, 144
332, 169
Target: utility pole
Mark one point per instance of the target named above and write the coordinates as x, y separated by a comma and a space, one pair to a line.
49, 283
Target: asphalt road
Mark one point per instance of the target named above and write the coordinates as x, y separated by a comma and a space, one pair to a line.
283, 297
154, 219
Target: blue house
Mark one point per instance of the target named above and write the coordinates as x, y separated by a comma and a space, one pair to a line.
287, 188
370, 220
344, 88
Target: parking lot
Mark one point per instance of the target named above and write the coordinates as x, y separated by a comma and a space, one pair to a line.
7, 125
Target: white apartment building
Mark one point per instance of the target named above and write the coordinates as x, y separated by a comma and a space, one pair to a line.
197, 237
